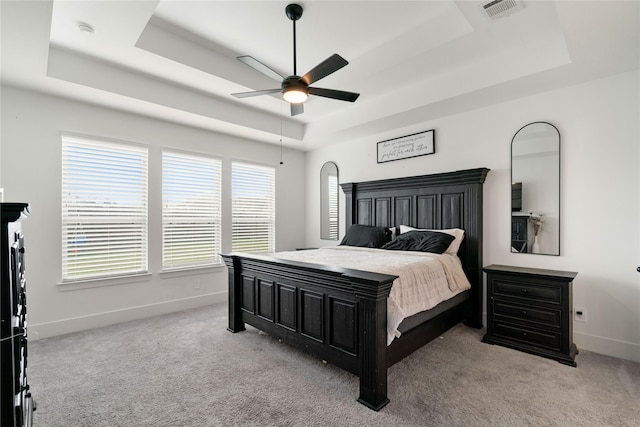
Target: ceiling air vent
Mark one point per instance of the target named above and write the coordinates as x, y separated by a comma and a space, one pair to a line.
499, 8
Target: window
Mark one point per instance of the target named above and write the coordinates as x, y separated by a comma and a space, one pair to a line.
253, 208
191, 211
104, 208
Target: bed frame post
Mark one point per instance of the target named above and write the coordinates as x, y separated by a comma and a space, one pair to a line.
235, 322
473, 248
372, 339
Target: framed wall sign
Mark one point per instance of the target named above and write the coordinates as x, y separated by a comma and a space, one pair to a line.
414, 145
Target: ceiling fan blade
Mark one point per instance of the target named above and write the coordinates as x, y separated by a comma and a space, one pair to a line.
257, 65
323, 69
256, 93
334, 94
297, 109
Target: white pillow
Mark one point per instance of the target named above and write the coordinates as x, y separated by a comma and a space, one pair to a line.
394, 232
455, 232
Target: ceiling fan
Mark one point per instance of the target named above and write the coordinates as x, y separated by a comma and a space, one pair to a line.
296, 89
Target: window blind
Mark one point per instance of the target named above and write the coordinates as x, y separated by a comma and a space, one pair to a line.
253, 208
104, 208
333, 207
191, 210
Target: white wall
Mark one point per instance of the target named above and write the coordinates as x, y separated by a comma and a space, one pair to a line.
600, 193
30, 169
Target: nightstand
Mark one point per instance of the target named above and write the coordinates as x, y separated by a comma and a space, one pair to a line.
529, 309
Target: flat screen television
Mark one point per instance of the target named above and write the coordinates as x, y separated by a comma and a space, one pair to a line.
516, 197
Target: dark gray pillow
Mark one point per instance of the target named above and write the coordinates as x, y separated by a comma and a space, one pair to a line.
421, 241
366, 236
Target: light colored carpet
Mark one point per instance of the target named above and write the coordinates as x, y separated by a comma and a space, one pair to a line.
185, 369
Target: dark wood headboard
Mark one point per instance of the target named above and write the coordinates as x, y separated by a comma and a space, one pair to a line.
444, 200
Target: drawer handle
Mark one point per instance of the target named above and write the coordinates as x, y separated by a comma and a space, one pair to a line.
523, 290
523, 312
524, 334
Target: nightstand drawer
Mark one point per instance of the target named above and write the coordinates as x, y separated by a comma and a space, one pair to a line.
528, 290
538, 315
550, 340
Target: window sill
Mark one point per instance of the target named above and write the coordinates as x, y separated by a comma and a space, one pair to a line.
105, 281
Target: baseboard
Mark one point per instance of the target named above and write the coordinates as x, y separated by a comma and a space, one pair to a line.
594, 343
81, 323
606, 346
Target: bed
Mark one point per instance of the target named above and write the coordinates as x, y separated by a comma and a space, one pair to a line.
339, 314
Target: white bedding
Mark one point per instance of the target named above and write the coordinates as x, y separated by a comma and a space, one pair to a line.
424, 279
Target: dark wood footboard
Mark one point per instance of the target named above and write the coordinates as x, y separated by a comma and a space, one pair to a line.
339, 315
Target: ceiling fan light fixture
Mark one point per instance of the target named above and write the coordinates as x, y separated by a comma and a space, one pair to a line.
295, 95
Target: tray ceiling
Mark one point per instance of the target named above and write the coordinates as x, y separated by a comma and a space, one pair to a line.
411, 61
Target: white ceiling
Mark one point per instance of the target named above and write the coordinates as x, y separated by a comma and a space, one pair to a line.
411, 61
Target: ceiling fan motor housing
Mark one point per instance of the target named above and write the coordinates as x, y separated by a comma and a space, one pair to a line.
294, 82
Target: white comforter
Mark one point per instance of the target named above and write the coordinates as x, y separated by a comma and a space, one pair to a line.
424, 279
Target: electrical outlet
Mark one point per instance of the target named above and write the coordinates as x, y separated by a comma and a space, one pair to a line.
579, 314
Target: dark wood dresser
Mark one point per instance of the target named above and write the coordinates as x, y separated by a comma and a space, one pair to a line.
529, 309
16, 403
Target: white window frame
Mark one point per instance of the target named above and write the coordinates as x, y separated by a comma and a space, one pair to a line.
253, 207
104, 208
191, 210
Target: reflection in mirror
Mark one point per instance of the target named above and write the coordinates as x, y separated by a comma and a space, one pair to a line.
329, 201
535, 189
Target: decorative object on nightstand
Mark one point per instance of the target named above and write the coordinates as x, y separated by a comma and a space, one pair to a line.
535, 248
536, 220
529, 309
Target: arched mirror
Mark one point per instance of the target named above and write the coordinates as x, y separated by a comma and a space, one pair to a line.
329, 201
535, 189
